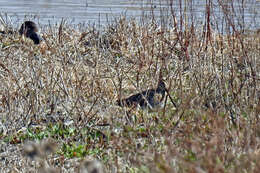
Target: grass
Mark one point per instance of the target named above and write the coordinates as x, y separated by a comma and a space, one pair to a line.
65, 91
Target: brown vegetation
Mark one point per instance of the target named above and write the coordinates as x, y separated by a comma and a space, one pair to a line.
66, 89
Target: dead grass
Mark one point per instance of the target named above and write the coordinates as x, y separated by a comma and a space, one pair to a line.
66, 90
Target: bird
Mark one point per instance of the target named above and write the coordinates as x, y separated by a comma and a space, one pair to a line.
29, 30
150, 98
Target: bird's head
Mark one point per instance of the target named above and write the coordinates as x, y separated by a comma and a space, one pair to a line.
28, 26
161, 86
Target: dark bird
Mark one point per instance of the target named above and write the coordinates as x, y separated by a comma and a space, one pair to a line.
29, 30
150, 98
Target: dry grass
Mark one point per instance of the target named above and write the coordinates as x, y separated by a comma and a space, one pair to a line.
66, 90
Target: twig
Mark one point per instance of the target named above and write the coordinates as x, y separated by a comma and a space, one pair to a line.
171, 99
178, 121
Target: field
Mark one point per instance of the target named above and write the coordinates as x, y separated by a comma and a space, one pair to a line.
58, 106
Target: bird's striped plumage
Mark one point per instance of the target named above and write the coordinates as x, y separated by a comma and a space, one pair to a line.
149, 98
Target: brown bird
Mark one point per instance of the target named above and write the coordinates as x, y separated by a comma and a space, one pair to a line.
29, 30
146, 99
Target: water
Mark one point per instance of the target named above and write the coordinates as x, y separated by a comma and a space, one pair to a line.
76, 10
101, 11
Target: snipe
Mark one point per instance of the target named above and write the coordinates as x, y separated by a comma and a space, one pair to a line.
29, 30
146, 99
